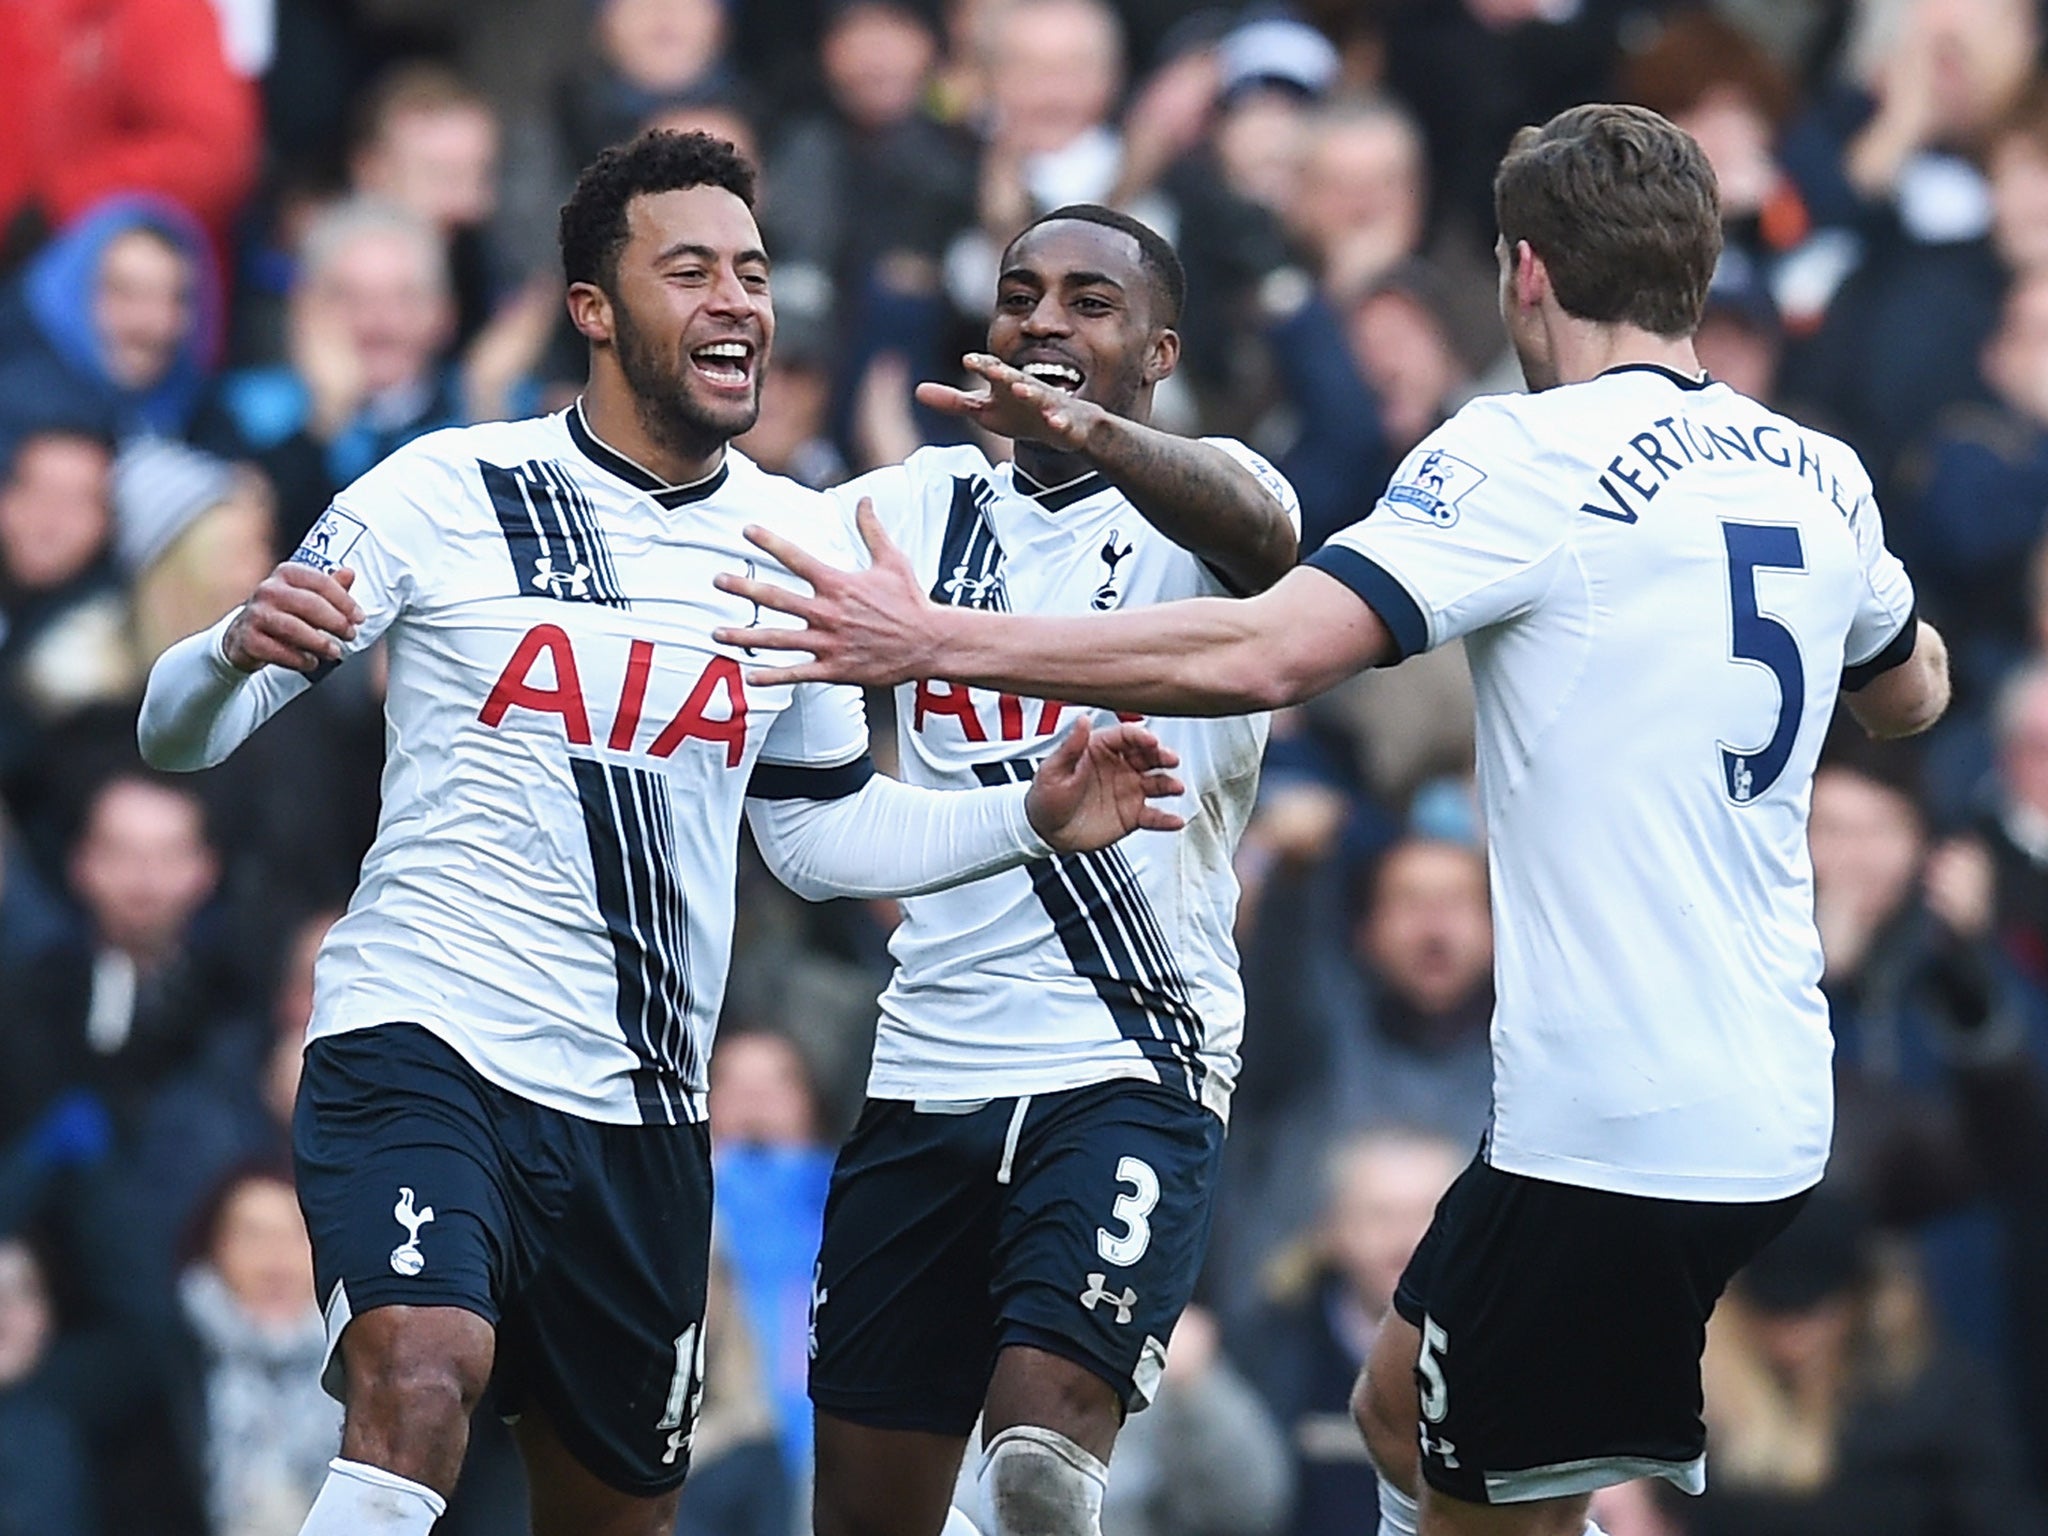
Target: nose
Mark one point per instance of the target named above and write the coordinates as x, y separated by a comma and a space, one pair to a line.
730, 296
1047, 318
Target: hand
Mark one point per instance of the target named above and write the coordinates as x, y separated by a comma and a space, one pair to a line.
508, 349
1961, 887
298, 618
1015, 405
1098, 786
325, 357
874, 627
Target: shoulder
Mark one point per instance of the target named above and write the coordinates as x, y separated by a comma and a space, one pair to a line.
436, 474
1277, 485
899, 490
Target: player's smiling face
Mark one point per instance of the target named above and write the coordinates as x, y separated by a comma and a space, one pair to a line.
691, 318
1074, 309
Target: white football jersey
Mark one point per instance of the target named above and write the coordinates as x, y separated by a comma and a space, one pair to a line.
567, 756
1662, 586
1076, 969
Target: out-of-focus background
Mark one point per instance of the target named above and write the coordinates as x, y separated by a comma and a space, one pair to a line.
247, 247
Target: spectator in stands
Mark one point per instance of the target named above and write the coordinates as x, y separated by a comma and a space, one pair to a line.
193, 534
1981, 500
257, 1429
1360, 205
1891, 160
1325, 1298
65, 648
868, 144
793, 434
737, 1486
113, 327
645, 55
1718, 83
370, 316
1405, 344
1370, 1009
1208, 1458
2018, 168
2015, 825
429, 144
145, 995
773, 1167
45, 1478
107, 96
1834, 1408
1741, 339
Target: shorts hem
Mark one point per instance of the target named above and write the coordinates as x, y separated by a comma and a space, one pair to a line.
590, 1451
1032, 1336
346, 1303
1565, 1479
893, 1415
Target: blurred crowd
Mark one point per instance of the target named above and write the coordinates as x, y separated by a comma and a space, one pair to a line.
248, 247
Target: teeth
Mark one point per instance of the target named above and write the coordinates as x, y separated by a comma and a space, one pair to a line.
733, 349
1059, 375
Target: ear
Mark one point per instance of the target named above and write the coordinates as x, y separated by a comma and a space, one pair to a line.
1162, 356
590, 311
1532, 278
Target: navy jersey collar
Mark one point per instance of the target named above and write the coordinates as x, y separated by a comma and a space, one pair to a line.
1682, 380
608, 458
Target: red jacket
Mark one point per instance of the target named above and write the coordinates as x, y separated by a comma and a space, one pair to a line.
100, 96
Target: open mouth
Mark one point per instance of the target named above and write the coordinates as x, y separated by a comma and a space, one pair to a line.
725, 364
1064, 377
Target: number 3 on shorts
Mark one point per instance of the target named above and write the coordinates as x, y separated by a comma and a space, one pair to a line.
1131, 1210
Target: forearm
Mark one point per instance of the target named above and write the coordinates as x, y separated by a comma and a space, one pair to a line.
1199, 497
198, 708
892, 839
1203, 656
1912, 696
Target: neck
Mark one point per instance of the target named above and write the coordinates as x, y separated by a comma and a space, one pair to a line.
1584, 351
1050, 466
616, 415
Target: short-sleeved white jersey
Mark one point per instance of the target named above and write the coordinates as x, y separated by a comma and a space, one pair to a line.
1076, 969
1662, 586
567, 756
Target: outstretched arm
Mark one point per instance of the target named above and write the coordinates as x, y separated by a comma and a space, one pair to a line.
1208, 656
891, 839
1193, 492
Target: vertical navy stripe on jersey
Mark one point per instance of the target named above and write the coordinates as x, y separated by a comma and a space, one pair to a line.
640, 894
552, 535
1111, 936
970, 559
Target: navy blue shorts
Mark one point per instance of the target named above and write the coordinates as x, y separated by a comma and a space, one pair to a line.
1071, 1222
584, 1244
1562, 1330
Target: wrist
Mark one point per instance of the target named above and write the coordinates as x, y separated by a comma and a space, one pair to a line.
1031, 838
222, 654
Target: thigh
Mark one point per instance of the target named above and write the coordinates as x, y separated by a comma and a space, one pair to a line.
402, 1179
1561, 1331
607, 1338
568, 1499
902, 1331
1104, 1231
882, 1482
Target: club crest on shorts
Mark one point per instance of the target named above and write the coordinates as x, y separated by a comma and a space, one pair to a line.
1430, 492
1098, 1291
406, 1258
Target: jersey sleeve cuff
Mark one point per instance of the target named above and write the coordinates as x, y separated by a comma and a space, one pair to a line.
1896, 653
1381, 591
791, 781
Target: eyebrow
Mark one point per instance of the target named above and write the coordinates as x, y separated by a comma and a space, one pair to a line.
751, 256
1066, 279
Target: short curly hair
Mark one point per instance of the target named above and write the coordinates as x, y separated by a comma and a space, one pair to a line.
593, 224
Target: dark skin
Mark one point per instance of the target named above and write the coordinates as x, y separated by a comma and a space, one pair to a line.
1076, 293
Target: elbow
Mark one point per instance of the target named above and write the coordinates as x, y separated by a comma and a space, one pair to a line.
1251, 682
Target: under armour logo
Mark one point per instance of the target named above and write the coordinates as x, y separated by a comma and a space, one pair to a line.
819, 1296
965, 591
574, 582
1442, 1450
406, 1258
1106, 594
1098, 1291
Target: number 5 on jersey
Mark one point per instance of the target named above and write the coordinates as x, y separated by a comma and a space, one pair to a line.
1762, 640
